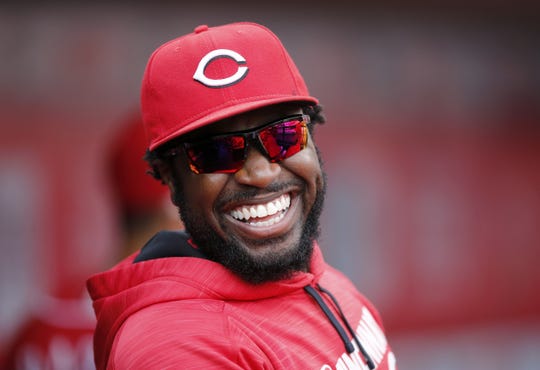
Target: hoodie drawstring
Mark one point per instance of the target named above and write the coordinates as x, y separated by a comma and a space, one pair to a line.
313, 292
368, 359
335, 323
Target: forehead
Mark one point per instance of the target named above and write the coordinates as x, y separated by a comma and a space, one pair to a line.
245, 121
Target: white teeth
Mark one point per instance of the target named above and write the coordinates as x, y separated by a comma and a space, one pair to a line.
272, 209
263, 210
268, 222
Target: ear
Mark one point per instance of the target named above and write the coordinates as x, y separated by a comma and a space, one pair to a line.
165, 172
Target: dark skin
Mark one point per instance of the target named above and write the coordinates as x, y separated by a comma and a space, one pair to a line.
276, 244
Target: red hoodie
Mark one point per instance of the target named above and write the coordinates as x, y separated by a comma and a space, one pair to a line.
186, 312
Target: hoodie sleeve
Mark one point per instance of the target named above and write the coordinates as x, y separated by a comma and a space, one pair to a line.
156, 338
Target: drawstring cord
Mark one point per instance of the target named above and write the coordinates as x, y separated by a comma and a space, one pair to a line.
335, 323
317, 297
368, 359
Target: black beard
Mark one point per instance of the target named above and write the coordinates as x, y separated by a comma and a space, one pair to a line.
229, 252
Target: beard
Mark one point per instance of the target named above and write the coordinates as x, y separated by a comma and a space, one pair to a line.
230, 253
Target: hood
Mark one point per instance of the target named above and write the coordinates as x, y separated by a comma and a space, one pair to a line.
129, 287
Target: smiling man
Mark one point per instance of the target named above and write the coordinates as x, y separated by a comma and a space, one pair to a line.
230, 126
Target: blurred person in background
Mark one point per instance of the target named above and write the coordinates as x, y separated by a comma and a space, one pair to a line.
143, 204
58, 334
229, 122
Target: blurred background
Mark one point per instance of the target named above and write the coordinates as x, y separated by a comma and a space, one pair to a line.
432, 149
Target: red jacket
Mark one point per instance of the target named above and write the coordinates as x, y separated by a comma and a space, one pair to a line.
192, 313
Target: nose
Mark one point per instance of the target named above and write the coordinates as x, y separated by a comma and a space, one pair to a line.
257, 171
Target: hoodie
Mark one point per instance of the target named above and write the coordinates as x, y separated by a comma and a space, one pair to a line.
169, 307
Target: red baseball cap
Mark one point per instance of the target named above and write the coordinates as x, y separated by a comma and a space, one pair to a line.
215, 73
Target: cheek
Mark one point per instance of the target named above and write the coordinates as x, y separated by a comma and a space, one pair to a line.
305, 164
310, 160
201, 191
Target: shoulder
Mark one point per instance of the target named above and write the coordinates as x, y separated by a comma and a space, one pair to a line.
345, 289
166, 322
196, 333
333, 277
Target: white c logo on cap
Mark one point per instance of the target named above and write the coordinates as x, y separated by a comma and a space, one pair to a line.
222, 82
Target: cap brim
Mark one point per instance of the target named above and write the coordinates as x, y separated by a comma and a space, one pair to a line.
230, 111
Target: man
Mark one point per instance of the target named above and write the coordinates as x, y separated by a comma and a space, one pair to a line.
229, 122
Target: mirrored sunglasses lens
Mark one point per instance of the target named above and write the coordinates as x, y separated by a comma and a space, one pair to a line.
284, 139
224, 155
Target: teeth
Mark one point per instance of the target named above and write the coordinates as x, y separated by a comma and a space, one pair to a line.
262, 210
268, 222
272, 209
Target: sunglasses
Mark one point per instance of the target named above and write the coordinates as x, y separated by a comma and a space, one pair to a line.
277, 140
